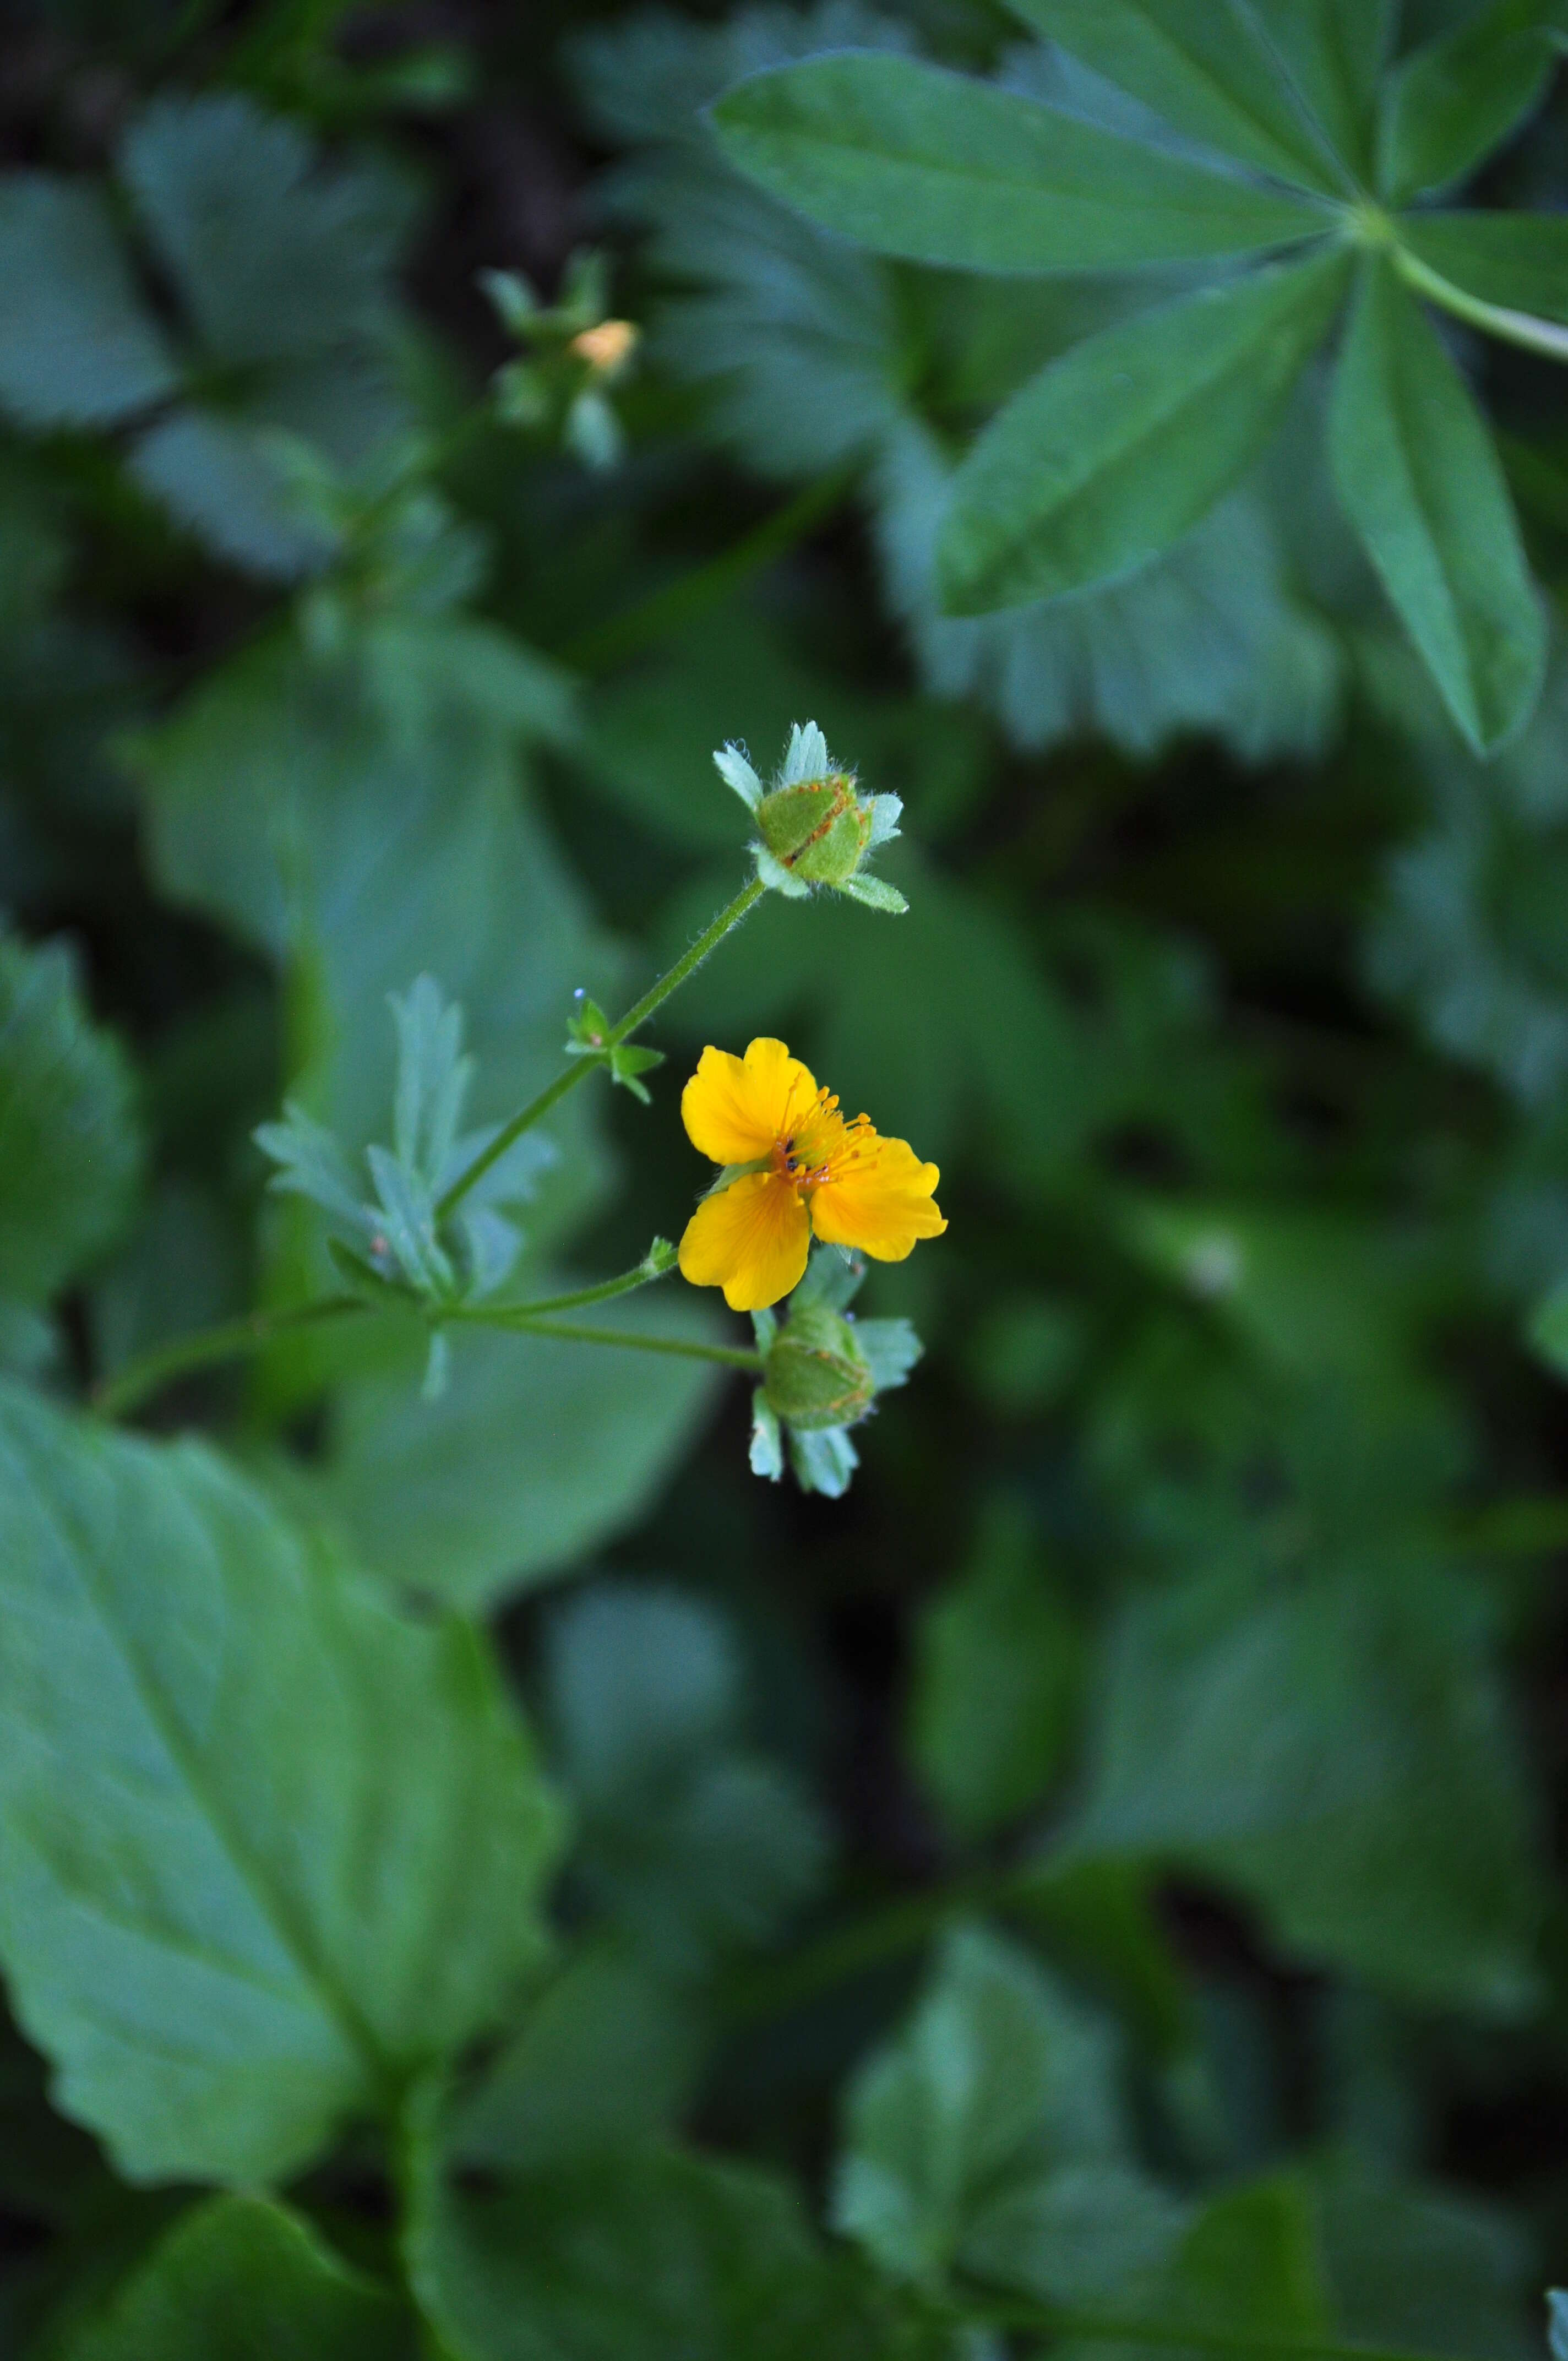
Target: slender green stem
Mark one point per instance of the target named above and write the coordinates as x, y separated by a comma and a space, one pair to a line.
511, 1315
1521, 328
233, 1341
690, 595
888, 1932
654, 997
573, 1332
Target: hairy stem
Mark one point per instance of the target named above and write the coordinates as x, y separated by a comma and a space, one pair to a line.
730, 1357
654, 997
234, 1340
652, 1267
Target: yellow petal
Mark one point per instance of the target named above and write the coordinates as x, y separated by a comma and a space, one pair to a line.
734, 1108
881, 1201
752, 1240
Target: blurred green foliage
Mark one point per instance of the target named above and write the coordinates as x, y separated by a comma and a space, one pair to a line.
480, 1873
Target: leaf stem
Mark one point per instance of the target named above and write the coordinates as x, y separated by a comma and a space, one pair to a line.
729, 1356
652, 1266
232, 1340
570, 1075
1512, 327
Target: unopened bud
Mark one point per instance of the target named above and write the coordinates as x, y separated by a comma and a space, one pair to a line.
817, 1375
819, 830
607, 347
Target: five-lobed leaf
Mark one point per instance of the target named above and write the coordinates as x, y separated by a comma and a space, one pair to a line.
936, 167
1420, 478
270, 1845
1120, 447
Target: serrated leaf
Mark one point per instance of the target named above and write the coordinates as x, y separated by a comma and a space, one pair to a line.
1451, 102
650, 2256
70, 1149
690, 1838
1337, 1756
1420, 480
269, 1845
1118, 449
995, 2082
244, 2278
276, 252
997, 1678
913, 160
1208, 68
216, 476
77, 347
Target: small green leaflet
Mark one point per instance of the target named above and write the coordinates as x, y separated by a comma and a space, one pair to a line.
913, 160
1421, 482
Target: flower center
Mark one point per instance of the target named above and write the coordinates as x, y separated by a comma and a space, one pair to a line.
819, 1145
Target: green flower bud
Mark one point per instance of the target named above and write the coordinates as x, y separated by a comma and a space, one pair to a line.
817, 1375
819, 830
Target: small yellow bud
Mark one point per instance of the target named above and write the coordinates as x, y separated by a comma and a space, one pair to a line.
607, 347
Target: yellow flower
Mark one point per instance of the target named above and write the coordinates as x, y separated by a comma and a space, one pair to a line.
812, 1173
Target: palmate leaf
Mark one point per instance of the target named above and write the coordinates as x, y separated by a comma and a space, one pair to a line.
912, 160
244, 2278
1117, 449
1420, 478
269, 1845
1212, 68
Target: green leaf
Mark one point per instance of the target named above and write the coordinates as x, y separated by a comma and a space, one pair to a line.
1337, 1756
243, 2278
1247, 2267
1420, 478
538, 1450
275, 252
1414, 2264
913, 160
218, 478
1515, 263
270, 1847
78, 347
70, 1149
998, 1666
1123, 445
1209, 69
1454, 101
606, 2058
649, 2256
995, 2082
688, 1837
1557, 2323
1332, 54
